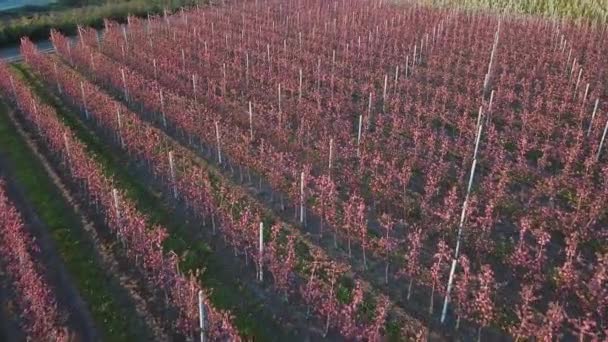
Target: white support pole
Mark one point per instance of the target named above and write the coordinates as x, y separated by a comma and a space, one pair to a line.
68, 46
124, 84
116, 207
464, 209
599, 150
585, 95
92, 62
67, 145
460, 226
84, 100
479, 115
219, 150
250, 122
448, 291
35, 113
491, 102
597, 102
261, 266
124, 34
572, 69
57, 78
359, 136
331, 150
225, 84
80, 39
119, 118
384, 91
578, 80
421, 49
280, 114
471, 176
300, 95
172, 170
13, 87
396, 77
300, 39
162, 107
155, 69
201, 315
194, 88
183, 61
302, 197
247, 68
318, 74
477, 139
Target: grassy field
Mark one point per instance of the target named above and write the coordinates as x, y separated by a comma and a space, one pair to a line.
593, 10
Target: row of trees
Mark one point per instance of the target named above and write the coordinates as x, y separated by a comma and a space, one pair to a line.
35, 302
131, 227
262, 83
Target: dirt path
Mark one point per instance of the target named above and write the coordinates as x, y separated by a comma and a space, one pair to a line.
127, 289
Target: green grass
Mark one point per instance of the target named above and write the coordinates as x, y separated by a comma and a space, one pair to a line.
115, 322
592, 10
37, 26
228, 291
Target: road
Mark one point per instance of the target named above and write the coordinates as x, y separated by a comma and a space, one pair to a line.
11, 54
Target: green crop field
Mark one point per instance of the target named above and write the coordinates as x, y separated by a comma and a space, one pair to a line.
594, 10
